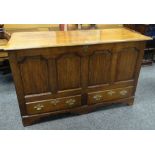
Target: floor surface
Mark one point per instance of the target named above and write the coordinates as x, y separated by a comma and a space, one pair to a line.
139, 116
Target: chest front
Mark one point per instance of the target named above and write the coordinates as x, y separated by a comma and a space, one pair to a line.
63, 79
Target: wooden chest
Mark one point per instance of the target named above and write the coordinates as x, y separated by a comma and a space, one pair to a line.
75, 71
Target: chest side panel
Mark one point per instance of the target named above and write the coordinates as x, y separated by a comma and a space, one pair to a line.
127, 60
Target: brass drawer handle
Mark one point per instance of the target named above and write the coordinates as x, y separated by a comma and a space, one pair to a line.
39, 107
123, 92
111, 92
70, 102
97, 97
55, 102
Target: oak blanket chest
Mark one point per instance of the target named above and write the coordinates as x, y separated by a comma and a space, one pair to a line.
74, 71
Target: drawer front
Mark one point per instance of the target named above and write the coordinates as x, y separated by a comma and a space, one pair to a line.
109, 95
53, 104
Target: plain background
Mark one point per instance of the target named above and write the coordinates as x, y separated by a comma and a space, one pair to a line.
74, 12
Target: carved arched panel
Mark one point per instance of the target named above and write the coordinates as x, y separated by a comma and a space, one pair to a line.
100, 67
126, 64
34, 75
68, 71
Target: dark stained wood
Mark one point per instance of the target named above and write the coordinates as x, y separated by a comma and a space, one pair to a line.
32, 119
34, 73
18, 83
126, 63
52, 75
68, 77
103, 71
75, 79
53, 104
109, 95
100, 67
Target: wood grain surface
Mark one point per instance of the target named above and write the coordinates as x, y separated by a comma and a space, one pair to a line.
27, 40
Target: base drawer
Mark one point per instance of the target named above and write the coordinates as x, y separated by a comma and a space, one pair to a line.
108, 95
53, 104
